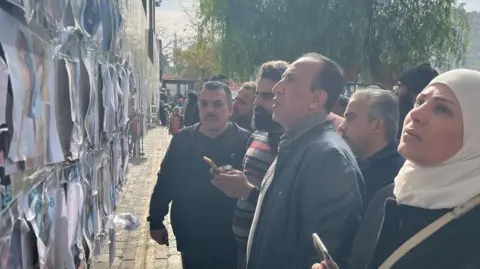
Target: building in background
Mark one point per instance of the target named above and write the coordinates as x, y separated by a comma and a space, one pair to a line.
472, 55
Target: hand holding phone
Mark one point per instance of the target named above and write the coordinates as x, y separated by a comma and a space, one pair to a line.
322, 251
211, 163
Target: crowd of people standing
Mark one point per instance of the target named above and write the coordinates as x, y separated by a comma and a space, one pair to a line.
386, 179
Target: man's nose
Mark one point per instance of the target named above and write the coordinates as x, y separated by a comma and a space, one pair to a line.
343, 127
209, 108
278, 88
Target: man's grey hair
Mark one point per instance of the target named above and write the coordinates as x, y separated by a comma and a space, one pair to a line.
382, 104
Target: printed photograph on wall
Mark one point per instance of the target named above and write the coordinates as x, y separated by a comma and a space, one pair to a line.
90, 18
31, 65
19, 3
34, 139
53, 10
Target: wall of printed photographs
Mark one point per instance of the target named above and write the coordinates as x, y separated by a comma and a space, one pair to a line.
72, 73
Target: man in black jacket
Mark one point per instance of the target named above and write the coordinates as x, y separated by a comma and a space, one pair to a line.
370, 128
201, 214
313, 186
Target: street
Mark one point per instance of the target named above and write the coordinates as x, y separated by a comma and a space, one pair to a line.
135, 250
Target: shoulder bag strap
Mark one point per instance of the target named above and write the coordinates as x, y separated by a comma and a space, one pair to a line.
428, 231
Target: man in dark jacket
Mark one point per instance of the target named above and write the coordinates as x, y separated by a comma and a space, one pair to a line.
262, 151
201, 214
410, 83
313, 186
370, 128
191, 109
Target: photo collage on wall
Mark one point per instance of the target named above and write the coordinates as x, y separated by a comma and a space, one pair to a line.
63, 132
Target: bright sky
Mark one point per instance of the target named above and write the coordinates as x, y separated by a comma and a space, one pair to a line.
172, 18
471, 4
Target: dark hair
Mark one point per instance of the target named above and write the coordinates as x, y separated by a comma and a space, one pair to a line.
251, 86
329, 78
272, 70
416, 78
219, 86
219, 77
343, 100
163, 97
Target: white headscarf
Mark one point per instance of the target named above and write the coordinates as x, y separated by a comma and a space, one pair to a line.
457, 180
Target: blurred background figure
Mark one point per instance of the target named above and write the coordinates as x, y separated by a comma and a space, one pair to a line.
410, 83
243, 105
191, 110
175, 123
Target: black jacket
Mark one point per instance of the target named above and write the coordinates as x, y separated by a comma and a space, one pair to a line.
201, 215
191, 110
366, 237
453, 246
380, 170
313, 186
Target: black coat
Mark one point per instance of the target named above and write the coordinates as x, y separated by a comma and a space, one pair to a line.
191, 110
455, 245
380, 170
201, 215
366, 236
312, 186
162, 114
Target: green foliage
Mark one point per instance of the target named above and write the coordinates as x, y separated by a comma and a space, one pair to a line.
196, 61
196, 57
381, 36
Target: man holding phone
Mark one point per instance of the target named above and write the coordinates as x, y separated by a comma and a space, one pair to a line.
263, 148
314, 185
200, 213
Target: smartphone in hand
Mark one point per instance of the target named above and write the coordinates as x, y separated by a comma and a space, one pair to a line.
211, 163
322, 250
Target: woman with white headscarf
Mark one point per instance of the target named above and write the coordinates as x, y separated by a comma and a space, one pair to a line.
434, 220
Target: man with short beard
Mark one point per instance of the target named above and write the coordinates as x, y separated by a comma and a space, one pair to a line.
260, 155
370, 129
243, 105
410, 83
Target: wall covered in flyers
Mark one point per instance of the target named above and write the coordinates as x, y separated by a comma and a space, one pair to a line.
71, 74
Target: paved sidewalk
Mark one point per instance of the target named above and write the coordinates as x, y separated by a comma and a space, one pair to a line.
135, 250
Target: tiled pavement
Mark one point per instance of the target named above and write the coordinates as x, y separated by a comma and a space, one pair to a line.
135, 250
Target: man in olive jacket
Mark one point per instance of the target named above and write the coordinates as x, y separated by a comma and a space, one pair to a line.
314, 185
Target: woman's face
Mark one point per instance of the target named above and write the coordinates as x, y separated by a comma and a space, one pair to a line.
433, 129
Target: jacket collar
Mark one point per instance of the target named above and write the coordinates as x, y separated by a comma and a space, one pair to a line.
389, 151
304, 125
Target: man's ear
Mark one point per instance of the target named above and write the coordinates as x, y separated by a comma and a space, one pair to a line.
378, 125
319, 100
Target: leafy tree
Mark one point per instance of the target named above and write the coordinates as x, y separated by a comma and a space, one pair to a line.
195, 61
377, 37
195, 54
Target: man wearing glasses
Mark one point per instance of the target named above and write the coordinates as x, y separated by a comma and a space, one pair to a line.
263, 147
201, 214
